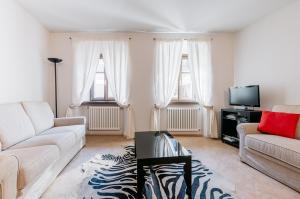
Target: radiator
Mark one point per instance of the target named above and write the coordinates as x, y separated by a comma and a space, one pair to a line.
183, 119
104, 118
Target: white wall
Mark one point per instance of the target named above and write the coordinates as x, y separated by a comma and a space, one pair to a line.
268, 53
24, 73
142, 49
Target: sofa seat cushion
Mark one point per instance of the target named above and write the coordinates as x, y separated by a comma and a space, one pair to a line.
63, 141
78, 130
15, 125
40, 114
284, 149
33, 162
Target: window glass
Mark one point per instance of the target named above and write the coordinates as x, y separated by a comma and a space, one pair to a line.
100, 68
99, 85
184, 88
100, 89
184, 65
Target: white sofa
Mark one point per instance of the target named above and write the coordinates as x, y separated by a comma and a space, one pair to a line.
35, 147
276, 156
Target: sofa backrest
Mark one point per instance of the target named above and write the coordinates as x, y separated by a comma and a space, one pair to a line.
40, 114
289, 109
15, 125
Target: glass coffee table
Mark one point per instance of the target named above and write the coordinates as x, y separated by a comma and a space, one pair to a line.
160, 147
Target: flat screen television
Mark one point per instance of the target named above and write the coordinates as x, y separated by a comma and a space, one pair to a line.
247, 96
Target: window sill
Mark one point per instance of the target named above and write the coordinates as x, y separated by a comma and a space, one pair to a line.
102, 103
175, 102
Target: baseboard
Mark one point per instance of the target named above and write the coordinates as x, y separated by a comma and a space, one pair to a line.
99, 133
186, 133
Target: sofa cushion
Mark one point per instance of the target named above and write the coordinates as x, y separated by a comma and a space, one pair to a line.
278, 123
33, 162
63, 141
78, 130
40, 114
15, 125
289, 109
281, 148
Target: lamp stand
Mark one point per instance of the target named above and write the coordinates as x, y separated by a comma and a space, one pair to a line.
55, 61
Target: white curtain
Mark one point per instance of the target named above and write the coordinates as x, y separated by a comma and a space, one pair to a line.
168, 55
117, 70
199, 59
86, 60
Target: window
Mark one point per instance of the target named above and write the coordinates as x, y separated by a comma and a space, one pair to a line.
100, 90
184, 90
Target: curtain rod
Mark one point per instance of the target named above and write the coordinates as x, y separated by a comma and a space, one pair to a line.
185, 39
72, 38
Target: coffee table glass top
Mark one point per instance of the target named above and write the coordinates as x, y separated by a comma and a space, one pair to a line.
158, 144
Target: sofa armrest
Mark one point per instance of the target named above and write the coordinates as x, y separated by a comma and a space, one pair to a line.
243, 130
8, 176
68, 121
247, 128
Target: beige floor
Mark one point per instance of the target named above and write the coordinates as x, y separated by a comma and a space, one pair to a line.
221, 158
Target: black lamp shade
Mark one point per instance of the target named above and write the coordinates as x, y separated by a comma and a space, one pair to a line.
55, 60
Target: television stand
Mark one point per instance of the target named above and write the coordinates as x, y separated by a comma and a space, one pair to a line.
247, 108
230, 118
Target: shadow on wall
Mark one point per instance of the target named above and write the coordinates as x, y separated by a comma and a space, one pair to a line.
270, 96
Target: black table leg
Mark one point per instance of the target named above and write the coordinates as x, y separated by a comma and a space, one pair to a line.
188, 176
140, 180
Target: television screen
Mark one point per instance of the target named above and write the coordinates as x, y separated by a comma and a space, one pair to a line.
244, 96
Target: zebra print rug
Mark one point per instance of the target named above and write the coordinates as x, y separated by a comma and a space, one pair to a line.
114, 177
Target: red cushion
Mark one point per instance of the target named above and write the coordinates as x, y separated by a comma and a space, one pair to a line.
276, 123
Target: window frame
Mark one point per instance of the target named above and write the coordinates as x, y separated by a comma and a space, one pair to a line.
177, 99
106, 88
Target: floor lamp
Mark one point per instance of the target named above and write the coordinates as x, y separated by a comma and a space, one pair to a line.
55, 61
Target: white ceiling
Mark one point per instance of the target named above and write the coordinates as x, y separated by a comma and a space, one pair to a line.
150, 15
